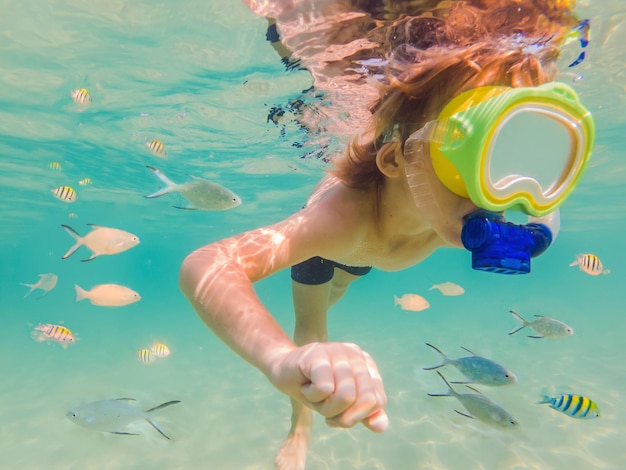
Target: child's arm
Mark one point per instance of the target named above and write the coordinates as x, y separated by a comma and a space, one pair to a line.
338, 380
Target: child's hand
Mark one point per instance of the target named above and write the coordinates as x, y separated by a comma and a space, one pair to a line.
338, 380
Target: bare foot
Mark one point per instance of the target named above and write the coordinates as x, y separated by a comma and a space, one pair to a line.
292, 453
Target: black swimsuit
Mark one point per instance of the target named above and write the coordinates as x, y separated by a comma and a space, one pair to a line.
318, 270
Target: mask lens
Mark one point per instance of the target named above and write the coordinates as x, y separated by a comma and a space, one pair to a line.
535, 143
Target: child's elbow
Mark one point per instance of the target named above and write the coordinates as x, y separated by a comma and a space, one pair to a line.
192, 270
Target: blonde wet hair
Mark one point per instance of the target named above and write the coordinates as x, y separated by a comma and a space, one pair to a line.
437, 50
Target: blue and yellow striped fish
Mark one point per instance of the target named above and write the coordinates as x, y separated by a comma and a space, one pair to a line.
65, 193
156, 147
575, 406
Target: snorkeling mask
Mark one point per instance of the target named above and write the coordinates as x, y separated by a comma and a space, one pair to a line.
507, 148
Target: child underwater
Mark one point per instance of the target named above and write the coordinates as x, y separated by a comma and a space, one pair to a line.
456, 137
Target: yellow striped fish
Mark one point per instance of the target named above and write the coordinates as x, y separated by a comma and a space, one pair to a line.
65, 193
81, 96
57, 333
85, 181
575, 406
590, 264
160, 350
56, 166
144, 356
156, 147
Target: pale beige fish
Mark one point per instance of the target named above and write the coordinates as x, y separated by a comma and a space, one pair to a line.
108, 295
46, 283
449, 289
101, 241
160, 350
145, 356
85, 181
413, 302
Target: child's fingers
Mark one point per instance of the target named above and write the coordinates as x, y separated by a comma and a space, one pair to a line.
377, 422
322, 383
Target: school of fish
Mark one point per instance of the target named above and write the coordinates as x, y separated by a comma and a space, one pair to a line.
114, 415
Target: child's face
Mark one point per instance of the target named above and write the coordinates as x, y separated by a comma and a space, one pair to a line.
437, 205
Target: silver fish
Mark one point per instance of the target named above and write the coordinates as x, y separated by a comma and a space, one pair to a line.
113, 415
478, 369
101, 241
546, 327
479, 406
201, 194
46, 283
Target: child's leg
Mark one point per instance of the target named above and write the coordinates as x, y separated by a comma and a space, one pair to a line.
311, 303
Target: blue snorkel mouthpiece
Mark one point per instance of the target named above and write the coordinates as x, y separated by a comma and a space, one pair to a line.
503, 247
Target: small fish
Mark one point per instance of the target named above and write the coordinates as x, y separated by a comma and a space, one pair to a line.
479, 406
156, 148
57, 333
202, 194
81, 96
101, 241
575, 406
478, 369
73, 215
545, 326
113, 415
65, 193
85, 181
413, 302
108, 295
590, 264
449, 288
160, 350
46, 283
55, 166
145, 356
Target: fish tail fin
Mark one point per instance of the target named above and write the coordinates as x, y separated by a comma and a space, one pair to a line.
81, 294
519, 317
156, 426
445, 358
574, 263
396, 300
436, 349
74, 234
170, 186
606, 271
32, 288
451, 392
162, 405
544, 400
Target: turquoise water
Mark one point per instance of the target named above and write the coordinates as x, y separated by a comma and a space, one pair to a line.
200, 77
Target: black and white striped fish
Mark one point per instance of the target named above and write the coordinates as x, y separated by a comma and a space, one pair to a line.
65, 193
156, 148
